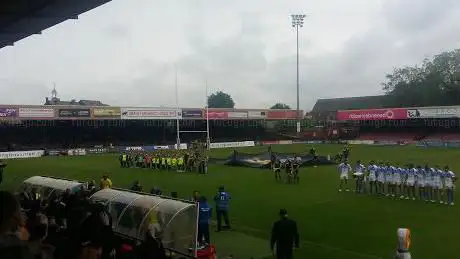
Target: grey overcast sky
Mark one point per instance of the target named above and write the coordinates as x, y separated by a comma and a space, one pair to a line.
125, 52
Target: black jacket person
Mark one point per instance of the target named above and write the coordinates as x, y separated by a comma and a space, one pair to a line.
285, 236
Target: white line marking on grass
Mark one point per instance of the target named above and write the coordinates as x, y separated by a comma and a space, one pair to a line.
312, 243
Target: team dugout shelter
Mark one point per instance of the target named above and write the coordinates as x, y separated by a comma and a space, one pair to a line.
135, 214
372, 119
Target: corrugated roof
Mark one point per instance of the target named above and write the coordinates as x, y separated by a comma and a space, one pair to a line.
20, 19
351, 103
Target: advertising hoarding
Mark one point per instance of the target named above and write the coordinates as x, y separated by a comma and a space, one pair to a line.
237, 115
433, 112
36, 113
282, 114
372, 114
74, 113
150, 114
107, 112
257, 114
191, 114
8, 112
215, 115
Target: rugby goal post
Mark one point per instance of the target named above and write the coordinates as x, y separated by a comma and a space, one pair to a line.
178, 131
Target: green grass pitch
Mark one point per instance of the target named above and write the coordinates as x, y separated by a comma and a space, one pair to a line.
332, 225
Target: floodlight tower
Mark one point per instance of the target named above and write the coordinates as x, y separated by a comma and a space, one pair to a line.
297, 23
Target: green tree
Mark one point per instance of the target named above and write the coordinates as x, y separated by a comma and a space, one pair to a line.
434, 82
280, 106
220, 100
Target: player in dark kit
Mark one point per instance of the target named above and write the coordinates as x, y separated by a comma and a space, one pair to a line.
222, 200
276, 166
285, 236
295, 171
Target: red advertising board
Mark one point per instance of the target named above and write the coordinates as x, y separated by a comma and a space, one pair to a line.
215, 115
373, 114
281, 114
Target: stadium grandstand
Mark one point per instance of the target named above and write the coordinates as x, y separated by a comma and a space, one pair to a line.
64, 127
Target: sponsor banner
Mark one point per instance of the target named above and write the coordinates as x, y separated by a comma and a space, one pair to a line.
360, 142
181, 146
21, 154
430, 143
386, 143
74, 113
278, 142
257, 114
151, 148
192, 114
434, 112
163, 147
136, 148
213, 115
150, 114
299, 142
97, 150
372, 114
52, 152
232, 144
8, 112
281, 114
237, 115
107, 112
36, 113
76, 152
271, 142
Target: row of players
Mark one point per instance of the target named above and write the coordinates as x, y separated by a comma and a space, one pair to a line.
433, 184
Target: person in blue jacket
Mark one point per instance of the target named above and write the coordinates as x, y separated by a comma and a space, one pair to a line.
222, 200
204, 218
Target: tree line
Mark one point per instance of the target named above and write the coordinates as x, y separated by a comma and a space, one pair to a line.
221, 99
434, 82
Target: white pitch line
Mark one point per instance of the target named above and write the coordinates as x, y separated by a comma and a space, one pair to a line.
312, 243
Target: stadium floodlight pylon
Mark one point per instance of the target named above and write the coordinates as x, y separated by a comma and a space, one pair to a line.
178, 131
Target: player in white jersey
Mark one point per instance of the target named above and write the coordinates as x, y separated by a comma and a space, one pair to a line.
344, 169
397, 180
372, 177
359, 176
380, 178
420, 182
410, 182
428, 184
389, 170
449, 183
437, 184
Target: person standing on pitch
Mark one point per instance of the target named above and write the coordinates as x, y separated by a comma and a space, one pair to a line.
222, 200
285, 236
204, 219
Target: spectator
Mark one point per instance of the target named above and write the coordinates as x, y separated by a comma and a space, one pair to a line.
204, 219
136, 186
106, 182
12, 231
284, 236
37, 235
92, 187
95, 233
222, 200
196, 196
